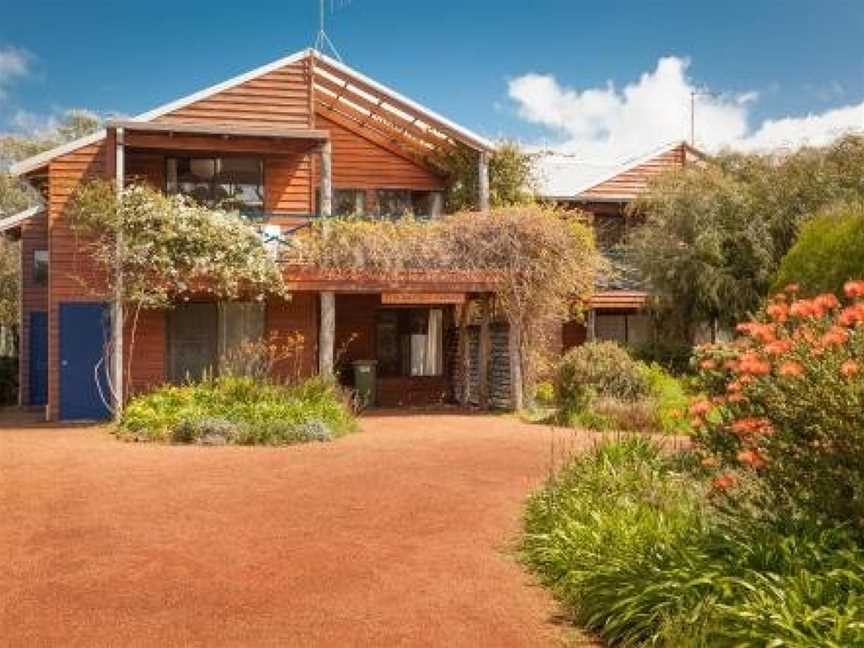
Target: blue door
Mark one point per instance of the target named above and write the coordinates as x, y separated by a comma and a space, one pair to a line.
38, 379
84, 331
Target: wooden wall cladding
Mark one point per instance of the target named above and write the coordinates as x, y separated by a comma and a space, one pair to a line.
299, 315
279, 98
359, 163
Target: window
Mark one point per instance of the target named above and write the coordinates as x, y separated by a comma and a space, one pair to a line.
40, 267
201, 334
393, 203
349, 202
625, 328
410, 342
229, 183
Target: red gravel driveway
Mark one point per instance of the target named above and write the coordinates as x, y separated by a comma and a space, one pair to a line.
399, 535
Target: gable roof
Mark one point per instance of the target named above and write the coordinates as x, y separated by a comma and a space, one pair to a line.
565, 178
403, 110
14, 220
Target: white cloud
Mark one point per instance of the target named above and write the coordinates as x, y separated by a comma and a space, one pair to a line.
792, 132
14, 64
607, 123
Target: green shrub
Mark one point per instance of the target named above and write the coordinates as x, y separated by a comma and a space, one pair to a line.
827, 253
630, 543
670, 399
239, 410
597, 369
601, 387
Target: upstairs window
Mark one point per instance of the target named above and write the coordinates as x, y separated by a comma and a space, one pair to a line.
233, 183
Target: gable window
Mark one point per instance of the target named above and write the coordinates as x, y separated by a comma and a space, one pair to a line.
410, 342
395, 203
40, 267
233, 183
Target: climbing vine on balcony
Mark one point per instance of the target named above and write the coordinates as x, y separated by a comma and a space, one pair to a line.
542, 261
169, 246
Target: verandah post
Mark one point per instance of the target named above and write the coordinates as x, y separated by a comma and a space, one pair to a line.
327, 333
485, 349
117, 303
514, 344
483, 181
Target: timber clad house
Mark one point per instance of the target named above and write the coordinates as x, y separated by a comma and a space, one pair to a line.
617, 310
302, 137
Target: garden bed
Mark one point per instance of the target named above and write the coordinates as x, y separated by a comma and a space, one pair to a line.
239, 410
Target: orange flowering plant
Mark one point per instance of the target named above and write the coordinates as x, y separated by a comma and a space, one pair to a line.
784, 402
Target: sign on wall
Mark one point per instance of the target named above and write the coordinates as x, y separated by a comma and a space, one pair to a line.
405, 299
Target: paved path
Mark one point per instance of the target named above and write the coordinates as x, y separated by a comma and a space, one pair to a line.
399, 535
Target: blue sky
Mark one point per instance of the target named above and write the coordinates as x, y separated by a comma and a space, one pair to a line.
599, 79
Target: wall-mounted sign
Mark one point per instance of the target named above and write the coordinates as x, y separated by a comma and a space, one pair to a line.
406, 299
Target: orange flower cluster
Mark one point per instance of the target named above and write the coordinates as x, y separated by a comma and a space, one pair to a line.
854, 289
751, 363
758, 331
852, 315
790, 368
752, 458
725, 482
849, 368
748, 427
835, 336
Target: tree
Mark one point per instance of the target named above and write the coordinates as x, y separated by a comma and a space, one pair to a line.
511, 177
699, 250
712, 236
154, 248
828, 253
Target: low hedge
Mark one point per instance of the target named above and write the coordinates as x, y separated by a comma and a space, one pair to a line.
239, 410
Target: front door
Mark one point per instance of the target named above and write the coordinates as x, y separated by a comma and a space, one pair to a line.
84, 336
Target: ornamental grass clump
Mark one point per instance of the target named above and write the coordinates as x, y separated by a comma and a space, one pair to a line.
785, 402
638, 548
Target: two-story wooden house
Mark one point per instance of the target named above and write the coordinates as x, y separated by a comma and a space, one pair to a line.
303, 137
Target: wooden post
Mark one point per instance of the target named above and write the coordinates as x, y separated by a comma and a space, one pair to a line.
436, 204
117, 371
483, 181
591, 326
464, 354
514, 347
327, 334
326, 180
485, 348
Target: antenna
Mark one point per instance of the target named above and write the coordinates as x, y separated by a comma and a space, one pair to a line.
322, 40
